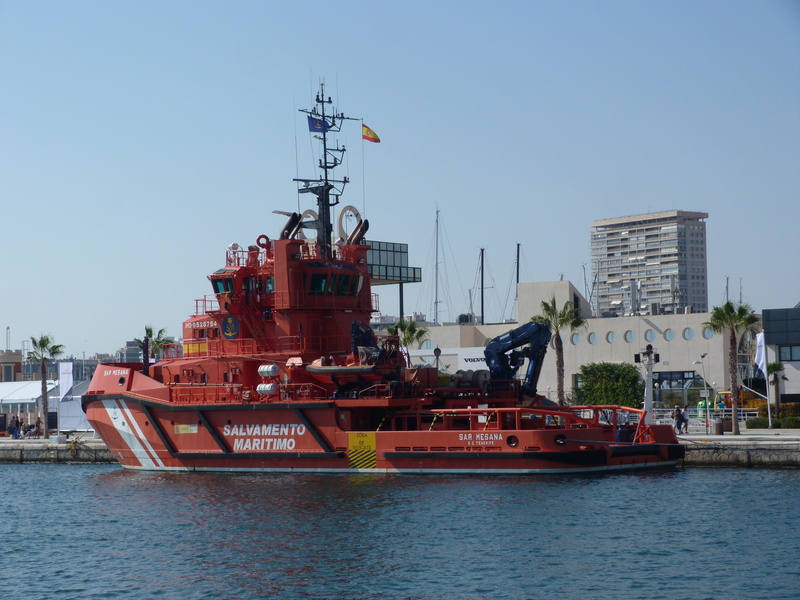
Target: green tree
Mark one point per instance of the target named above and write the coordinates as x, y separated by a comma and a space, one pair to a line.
774, 370
155, 340
409, 333
568, 318
732, 319
44, 351
609, 383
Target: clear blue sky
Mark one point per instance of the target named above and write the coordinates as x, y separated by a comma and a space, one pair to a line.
139, 139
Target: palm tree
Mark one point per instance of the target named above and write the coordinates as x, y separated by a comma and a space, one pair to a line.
732, 319
774, 370
155, 341
409, 333
44, 350
569, 318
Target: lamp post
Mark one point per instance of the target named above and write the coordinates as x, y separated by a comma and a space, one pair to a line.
649, 357
705, 386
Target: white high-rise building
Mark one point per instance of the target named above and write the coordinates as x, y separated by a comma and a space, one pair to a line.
650, 264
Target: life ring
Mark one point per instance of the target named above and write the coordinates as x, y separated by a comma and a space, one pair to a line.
263, 241
512, 441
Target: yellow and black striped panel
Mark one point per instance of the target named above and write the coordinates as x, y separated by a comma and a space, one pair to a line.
362, 450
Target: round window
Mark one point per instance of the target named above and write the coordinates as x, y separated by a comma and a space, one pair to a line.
629, 336
611, 337
592, 338
575, 339
708, 333
650, 335
669, 335
688, 333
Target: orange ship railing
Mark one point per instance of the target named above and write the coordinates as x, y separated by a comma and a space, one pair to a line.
190, 393
299, 392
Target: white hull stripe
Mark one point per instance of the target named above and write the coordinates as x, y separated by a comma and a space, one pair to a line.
129, 430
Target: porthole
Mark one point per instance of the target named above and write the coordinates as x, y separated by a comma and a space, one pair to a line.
688, 333
669, 335
575, 339
629, 336
592, 338
611, 337
708, 333
650, 335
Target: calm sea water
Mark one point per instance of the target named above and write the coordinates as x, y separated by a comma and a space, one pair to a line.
101, 532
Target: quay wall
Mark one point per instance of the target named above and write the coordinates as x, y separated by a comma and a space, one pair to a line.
773, 455
81, 453
700, 453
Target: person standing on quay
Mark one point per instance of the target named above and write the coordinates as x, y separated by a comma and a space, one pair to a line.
677, 417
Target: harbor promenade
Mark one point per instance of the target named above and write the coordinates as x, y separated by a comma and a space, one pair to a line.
773, 448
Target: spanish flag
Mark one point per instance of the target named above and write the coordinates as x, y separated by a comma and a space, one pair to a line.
369, 135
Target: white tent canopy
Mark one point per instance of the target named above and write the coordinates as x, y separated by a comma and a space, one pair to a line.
26, 396
23, 394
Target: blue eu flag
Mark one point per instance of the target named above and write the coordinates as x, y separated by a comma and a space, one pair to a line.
318, 125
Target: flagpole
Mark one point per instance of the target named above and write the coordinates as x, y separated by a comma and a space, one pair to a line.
762, 360
766, 378
363, 175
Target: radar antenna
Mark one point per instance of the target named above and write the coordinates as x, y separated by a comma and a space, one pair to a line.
327, 189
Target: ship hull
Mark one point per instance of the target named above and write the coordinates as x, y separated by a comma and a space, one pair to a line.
148, 434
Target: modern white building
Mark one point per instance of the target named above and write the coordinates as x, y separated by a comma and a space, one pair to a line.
689, 352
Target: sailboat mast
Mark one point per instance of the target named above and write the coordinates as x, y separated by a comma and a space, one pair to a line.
436, 273
483, 319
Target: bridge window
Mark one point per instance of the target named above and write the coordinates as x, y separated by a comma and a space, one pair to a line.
319, 283
344, 286
222, 286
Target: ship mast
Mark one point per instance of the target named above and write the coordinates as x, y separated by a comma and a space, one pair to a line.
325, 188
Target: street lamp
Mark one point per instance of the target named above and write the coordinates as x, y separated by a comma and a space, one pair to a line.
705, 386
649, 357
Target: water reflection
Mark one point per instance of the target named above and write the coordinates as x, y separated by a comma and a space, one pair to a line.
127, 534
